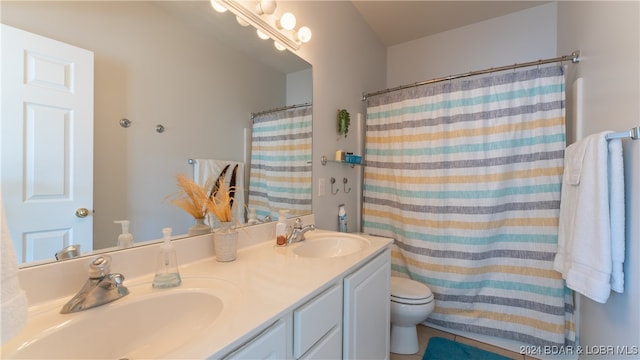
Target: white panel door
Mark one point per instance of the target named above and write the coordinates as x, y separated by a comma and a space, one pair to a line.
47, 143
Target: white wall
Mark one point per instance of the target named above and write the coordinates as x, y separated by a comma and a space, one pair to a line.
608, 35
515, 38
347, 59
299, 87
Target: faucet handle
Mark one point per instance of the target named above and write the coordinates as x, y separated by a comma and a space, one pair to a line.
100, 267
298, 224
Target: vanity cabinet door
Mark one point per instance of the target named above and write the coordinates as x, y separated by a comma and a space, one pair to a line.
270, 345
366, 325
329, 347
316, 323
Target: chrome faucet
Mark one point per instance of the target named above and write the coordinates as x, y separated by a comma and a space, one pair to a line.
297, 234
101, 287
265, 219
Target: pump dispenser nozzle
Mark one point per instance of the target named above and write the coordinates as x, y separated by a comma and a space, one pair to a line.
167, 274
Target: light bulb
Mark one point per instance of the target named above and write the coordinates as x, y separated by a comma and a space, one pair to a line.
279, 46
287, 21
218, 7
262, 35
304, 34
266, 7
241, 21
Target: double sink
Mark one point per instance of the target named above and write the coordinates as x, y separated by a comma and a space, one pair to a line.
151, 323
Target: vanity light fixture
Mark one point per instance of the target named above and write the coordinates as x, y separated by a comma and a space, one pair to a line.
287, 21
218, 7
281, 30
266, 7
303, 34
262, 35
242, 22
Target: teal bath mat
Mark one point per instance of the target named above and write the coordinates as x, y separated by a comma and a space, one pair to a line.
444, 349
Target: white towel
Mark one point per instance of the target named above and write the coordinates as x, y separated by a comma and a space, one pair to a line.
204, 169
13, 300
617, 213
584, 255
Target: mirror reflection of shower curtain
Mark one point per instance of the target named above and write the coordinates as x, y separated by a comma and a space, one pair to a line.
280, 175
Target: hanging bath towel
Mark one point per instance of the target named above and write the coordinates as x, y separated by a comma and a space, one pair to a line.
232, 172
592, 218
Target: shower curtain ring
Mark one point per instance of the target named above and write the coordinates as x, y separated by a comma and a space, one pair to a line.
344, 185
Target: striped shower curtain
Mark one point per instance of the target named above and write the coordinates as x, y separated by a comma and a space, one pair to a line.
465, 175
280, 175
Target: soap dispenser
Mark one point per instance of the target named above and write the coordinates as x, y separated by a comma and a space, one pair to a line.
253, 217
281, 228
125, 239
167, 274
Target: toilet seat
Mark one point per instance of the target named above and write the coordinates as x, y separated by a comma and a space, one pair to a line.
410, 292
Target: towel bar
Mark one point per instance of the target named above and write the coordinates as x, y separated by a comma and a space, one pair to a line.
633, 134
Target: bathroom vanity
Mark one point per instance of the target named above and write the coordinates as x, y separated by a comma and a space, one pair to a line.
324, 298
341, 321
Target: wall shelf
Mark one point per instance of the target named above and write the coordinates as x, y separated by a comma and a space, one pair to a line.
324, 160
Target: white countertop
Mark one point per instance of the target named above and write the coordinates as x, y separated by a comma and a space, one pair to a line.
272, 281
265, 281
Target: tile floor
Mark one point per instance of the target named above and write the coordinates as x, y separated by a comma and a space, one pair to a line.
425, 332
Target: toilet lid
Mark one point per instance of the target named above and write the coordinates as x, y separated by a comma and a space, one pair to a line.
403, 288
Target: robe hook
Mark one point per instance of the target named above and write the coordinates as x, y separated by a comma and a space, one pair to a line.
333, 181
344, 185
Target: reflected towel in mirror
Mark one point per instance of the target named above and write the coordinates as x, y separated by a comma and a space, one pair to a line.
13, 299
204, 169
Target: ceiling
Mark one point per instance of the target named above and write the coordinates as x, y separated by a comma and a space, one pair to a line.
396, 22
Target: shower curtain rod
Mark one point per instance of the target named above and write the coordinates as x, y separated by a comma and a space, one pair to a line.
253, 115
574, 57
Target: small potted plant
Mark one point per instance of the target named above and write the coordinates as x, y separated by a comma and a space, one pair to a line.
197, 201
220, 204
344, 119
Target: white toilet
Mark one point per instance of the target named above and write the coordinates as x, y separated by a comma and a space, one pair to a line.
411, 304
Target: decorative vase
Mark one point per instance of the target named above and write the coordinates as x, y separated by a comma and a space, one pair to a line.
199, 228
225, 242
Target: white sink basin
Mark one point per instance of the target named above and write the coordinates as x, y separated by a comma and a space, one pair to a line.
147, 323
330, 245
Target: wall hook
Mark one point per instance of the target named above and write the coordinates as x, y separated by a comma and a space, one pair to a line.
333, 181
125, 123
344, 185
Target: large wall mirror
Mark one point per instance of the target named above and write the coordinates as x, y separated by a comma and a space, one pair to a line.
177, 64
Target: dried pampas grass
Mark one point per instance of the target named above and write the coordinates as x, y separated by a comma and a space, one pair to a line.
197, 202
192, 198
221, 201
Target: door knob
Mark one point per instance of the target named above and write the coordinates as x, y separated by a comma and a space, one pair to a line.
82, 212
